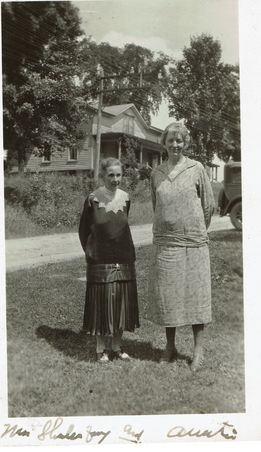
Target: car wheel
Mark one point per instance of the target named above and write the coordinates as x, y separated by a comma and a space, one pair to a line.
236, 216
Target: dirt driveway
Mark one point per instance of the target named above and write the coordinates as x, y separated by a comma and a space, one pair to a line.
34, 251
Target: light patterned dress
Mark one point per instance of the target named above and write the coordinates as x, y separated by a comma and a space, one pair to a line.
180, 282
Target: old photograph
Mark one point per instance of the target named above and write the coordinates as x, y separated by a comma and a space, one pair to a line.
123, 208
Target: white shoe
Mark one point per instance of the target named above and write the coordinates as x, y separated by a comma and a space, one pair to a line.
121, 355
102, 357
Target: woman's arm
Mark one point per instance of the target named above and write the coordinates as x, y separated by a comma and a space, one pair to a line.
85, 224
128, 206
206, 196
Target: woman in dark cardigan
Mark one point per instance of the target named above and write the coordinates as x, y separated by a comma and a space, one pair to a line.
111, 304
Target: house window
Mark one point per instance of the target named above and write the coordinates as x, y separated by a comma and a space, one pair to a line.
128, 125
73, 154
46, 157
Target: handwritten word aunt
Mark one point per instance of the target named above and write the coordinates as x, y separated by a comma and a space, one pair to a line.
226, 431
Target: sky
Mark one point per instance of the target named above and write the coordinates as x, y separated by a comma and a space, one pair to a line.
162, 25
165, 25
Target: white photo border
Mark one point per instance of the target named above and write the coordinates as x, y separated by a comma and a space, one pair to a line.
247, 425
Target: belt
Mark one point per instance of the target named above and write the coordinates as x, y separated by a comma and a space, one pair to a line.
110, 272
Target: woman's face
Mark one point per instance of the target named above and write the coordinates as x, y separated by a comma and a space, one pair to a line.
112, 177
174, 144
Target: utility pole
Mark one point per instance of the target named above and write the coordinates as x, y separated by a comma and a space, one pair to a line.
98, 135
99, 116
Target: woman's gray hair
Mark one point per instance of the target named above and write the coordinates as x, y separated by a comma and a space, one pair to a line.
106, 163
177, 127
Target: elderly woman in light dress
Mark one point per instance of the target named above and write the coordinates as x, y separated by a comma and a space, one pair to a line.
180, 281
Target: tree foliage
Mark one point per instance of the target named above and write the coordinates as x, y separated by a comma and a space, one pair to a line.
49, 75
27, 27
126, 64
41, 103
205, 92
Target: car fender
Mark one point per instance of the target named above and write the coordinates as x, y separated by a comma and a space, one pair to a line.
232, 203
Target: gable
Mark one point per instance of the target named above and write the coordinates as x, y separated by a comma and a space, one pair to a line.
116, 109
129, 122
126, 119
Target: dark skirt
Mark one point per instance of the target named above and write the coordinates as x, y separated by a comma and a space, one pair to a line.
111, 304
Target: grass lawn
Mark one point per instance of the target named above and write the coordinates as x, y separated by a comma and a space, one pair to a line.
51, 365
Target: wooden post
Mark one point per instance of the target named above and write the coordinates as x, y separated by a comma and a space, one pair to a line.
141, 149
119, 149
98, 135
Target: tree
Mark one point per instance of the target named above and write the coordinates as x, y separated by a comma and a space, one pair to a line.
205, 92
127, 64
49, 75
130, 147
41, 102
230, 116
27, 27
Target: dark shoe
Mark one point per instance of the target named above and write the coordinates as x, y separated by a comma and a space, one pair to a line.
121, 355
102, 357
169, 355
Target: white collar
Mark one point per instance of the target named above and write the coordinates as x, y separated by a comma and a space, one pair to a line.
111, 201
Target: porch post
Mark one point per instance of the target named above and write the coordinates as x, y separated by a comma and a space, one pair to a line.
119, 149
141, 149
91, 144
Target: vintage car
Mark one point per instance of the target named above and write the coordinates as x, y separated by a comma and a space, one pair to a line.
230, 197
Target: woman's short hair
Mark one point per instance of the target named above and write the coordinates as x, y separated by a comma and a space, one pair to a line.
177, 127
106, 163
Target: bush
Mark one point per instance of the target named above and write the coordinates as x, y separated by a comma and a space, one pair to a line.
44, 214
130, 179
18, 223
69, 214
49, 199
141, 193
31, 189
20, 190
42, 202
145, 172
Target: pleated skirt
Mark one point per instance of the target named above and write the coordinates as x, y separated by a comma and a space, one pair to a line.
111, 307
180, 286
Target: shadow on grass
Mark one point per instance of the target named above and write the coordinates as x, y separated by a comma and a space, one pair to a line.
232, 236
145, 352
70, 343
82, 347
